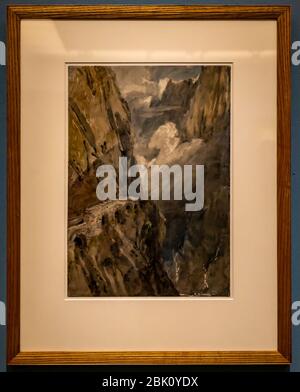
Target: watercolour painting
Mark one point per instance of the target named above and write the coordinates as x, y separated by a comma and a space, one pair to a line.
149, 180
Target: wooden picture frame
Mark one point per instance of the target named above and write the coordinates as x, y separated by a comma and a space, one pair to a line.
280, 14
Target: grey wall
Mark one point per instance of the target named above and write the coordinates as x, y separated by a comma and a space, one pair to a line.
295, 149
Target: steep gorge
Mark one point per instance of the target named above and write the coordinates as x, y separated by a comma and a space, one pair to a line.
145, 248
196, 249
113, 247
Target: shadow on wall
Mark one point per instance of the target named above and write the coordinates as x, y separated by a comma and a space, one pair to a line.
2, 313
2, 53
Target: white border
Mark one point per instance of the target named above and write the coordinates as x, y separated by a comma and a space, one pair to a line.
48, 322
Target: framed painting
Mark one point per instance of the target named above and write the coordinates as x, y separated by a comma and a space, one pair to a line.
149, 185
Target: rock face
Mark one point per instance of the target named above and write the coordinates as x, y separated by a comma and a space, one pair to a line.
210, 105
115, 250
113, 247
177, 94
199, 255
148, 248
99, 130
170, 107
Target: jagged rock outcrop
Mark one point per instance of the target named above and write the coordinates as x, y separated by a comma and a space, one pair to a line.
114, 247
197, 244
147, 248
197, 107
210, 105
170, 107
99, 130
176, 93
115, 250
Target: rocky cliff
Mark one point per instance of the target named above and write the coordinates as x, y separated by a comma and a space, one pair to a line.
209, 108
197, 245
172, 106
99, 130
134, 248
114, 248
177, 94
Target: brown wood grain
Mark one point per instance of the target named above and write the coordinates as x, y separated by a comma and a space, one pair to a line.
284, 184
151, 358
13, 186
147, 12
279, 13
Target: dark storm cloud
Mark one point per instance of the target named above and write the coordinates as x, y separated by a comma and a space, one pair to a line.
174, 72
145, 79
